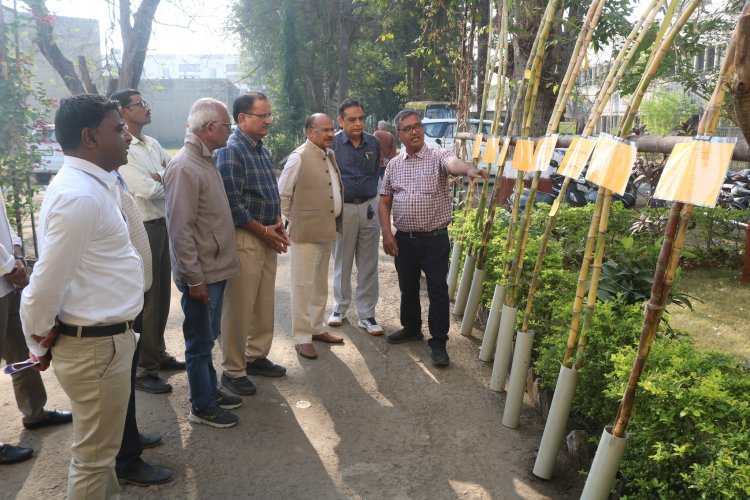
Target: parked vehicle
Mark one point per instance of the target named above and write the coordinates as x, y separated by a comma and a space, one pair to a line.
735, 192
441, 133
51, 153
432, 109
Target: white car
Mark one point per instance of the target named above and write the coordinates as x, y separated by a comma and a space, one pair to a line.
51, 154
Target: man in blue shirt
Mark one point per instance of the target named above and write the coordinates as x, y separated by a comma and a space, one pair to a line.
247, 319
358, 157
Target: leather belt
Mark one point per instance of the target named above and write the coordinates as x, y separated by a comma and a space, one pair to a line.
424, 234
157, 222
95, 331
358, 201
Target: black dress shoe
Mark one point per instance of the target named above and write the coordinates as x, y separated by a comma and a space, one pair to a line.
263, 367
152, 385
439, 354
50, 417
10, 454
242, 386
149, 440
170, 363
144, 474
404, 335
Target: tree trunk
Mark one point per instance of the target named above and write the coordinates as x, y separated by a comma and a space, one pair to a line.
741, 85
347, 27
135, 40
481, 60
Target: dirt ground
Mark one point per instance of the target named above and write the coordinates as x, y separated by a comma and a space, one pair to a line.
365, 420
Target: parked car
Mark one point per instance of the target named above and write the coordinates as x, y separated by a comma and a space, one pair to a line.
51, 154
441, 132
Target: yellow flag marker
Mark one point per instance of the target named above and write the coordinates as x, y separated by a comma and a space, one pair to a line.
477, 146
611, 163
543, 152
576, 157
523, 155
695, 171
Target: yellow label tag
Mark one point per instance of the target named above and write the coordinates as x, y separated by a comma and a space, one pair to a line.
477, 146
695, 171
490, 150
611, 163
527, 74
543, 152
523, 154
554, 208
576, 157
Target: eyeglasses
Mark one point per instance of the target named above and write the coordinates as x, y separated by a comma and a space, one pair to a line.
228, 125
262, 116
411, 128
140, 103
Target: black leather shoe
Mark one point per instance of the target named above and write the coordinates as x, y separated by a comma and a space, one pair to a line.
149, 440
171, 363
263, 367
439, 354
152, 385
242, 386
404, 335
144, 474
50, 417
10, 454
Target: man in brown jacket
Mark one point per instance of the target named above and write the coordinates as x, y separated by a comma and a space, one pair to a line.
311, 199
203, 252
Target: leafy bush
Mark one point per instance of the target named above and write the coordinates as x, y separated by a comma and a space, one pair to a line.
690, 427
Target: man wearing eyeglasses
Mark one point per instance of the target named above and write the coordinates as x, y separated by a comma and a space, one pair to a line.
143, 176
415, 190
311, 199
247, 319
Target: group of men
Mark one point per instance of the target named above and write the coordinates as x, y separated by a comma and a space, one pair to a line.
122, 214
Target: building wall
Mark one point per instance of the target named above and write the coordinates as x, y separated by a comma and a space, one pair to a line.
170, 102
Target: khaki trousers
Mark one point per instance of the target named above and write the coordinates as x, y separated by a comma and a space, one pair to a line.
27, 385
309, 269
247, 315
95, 374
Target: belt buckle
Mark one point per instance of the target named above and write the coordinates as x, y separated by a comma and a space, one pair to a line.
411, 235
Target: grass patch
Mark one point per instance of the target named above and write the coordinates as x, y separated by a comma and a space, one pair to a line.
720, 322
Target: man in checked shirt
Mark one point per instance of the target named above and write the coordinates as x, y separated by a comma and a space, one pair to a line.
247, 318
415, 190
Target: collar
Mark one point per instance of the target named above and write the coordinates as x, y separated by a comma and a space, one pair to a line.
256, 144
363, 142
191, 138
419, 154
96, 171
326, 151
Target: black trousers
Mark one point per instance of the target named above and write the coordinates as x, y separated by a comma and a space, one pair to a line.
130, 448
430, 255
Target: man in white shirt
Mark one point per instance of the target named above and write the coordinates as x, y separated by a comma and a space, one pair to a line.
27, 384
312, 199
86, 289
143, 176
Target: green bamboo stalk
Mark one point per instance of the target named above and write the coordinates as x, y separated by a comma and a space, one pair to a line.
664, 275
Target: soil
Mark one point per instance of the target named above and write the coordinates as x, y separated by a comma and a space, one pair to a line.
367, 419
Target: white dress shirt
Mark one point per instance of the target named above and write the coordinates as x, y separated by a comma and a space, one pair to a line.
88, 271
146, 157
8, 239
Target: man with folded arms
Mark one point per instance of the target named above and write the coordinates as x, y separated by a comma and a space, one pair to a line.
204, 255
143, 176
89, 279
415, 189
311, 199
27, 384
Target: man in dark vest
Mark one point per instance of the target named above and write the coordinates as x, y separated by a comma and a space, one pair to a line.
312, 199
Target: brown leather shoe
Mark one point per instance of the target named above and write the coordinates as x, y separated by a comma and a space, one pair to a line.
328, 338
306, 351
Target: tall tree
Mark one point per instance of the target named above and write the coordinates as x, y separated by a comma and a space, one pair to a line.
135, 29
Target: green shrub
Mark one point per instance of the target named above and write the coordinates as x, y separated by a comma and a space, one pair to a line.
690, 427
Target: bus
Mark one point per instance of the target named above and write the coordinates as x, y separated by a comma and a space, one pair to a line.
432, 109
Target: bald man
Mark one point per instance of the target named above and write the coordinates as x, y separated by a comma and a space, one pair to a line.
311, 199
